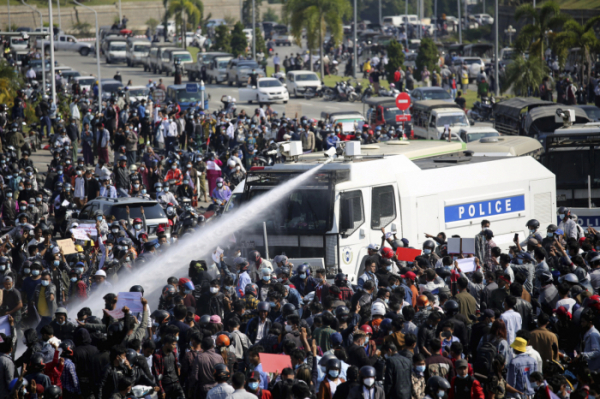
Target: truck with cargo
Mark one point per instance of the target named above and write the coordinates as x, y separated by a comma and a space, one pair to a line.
338, 211
194, 70
137, 51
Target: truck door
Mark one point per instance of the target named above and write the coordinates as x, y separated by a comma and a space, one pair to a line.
432, 132
353, 237
384, 212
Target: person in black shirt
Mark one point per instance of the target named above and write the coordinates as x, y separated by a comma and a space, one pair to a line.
253, 78
460, 100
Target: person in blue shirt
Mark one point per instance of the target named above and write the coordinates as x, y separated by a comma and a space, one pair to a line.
142, 109
255, 364
520, 368
331, 140
243, 279
591, 340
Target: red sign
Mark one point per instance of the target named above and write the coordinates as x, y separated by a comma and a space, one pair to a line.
403, 101
403, 118
274, 363
407, 254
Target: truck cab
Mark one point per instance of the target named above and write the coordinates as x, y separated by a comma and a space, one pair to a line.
182, 56
430, 117
137, 51
216, 72
114, 49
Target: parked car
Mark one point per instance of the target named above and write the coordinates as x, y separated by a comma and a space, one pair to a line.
85, 82
17, 43
474, 65
117, 207
137, 51
136, 93
483, 19
194, 70
216, 70
299, 81
66, 43
114, 49
150, 61
268, 90
110, 87
430, 93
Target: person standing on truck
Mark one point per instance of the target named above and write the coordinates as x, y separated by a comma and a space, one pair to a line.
567, 225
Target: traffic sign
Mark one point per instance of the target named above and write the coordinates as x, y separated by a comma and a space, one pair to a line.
191, 87
403, 101
159, 95
403, 118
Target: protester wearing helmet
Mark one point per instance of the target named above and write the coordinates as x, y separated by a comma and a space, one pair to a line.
221, 193
303, 281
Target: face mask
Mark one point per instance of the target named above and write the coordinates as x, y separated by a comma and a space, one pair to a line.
136, 185
166, 189
303, 276
26, 271
561, 216
520, 261
253, 385
56, 262
45, 283
267, 278
369, 382
115, 231
462, 376
490, 324
219, 185
138, 226
366, 343
128, 259
441, 394
189, 166
35, 273
550, 234
73, 279
144, 191
427, 251
420, 369
288, 328
214, 290
334, 373
173, 167
187, 292
272, 304
9, 195
386, 300
388, 268
79, 270
40, 200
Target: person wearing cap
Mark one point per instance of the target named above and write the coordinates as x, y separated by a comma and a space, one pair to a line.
481, 240
100, 283
122, 179
464, 386
63, 328
356, 352
520, 367
11, 300
433, 283
567, 225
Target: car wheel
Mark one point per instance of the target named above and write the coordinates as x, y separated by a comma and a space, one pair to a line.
295, 94
285, 102
230, 83
84, 51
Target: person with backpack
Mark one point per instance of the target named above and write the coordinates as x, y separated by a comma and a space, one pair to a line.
464, 386
490, 345
496, 386
437, 364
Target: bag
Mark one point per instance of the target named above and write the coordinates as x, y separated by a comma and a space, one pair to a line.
396, 76
484, 359
38, 111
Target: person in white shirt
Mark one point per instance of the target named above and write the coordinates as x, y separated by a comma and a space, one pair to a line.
79, 192
511, 318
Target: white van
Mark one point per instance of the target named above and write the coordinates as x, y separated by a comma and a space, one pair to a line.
299, 81
137, 51
429, 118
393, 20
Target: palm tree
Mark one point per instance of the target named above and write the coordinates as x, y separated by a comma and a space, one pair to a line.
543, 19
574, 35
193, 10
525, 74
316, 16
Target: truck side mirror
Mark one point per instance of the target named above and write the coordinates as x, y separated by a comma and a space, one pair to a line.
347, 215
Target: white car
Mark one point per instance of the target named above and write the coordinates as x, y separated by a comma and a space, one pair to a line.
299, 81
137, 93
484, 19
86, 82
269, 90
17, 43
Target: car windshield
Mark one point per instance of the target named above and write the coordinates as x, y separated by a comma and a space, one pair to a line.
152, 211
389, 114
86, 82
479, 136
141, 48
138, 92
593, 113
507, 55
471, 61
453, 120
307, 77
248, 65
269, 83
185, 97
222, 64
38, 63
183, 57
233, 203
117, 47
436, 95
17, 40
111, 87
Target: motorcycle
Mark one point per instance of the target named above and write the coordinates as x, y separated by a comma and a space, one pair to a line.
482, 110
228, 105
368, 93
268, 156
343, 91
392, 92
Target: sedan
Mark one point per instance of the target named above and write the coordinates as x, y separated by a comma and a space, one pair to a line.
430, 93
268, 90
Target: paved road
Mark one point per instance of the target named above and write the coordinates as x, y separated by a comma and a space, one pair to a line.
87, 66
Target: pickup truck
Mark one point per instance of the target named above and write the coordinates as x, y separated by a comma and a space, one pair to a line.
171, 56
283, 39
194, 69
65, 43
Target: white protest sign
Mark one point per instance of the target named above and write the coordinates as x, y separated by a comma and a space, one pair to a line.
467, 265
133, 300
80, 234
5, 325
216, 256
89, 228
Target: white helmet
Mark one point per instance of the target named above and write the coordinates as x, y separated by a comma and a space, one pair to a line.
377, 309
133, 168
231, 163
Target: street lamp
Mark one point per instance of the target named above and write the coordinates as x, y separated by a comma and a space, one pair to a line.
496, 22
459, 24
97, 55
510, 31
43, 55
58, 8
355, 43
52, 76
253, 32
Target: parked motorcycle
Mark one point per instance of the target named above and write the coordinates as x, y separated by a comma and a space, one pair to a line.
482, 110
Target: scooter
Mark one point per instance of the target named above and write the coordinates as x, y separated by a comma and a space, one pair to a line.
482, 110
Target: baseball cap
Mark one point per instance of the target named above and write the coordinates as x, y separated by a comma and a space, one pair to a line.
336, 338
215, 319
532, 241
460, 363
409, 275
374, 247
505, 277
560, 232
486, 313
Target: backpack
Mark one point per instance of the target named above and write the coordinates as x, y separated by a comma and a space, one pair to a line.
38, 111
485, 357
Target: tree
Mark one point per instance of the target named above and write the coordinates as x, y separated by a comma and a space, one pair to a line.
239, 43
543, 19
317, 16
270, 15
525, 75
576, 35
428, 56
222, 39
188, 7
395, 59
247, 12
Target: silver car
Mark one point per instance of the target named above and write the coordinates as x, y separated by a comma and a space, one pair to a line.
238, 71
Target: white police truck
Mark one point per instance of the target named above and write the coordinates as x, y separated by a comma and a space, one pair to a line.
341, 209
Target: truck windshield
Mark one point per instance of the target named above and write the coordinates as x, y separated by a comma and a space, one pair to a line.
140, 48
138, 92
86, 82
183, 57
306, 77
573, 166
305, 210
389, 114
452, 120
117, 47
152, 211
185, 97
478, 136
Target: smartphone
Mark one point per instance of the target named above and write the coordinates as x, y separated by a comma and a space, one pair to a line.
446, 334
516, 237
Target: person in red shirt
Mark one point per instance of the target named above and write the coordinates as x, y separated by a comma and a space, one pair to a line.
253, 386
174, 173
464, 386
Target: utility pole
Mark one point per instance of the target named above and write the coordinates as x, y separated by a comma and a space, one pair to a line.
97, 55
52, 77
459, 24
405, 23
8, 4
42, 41
380, 19
355, 61
121, 18
58, 8
435, 23
496, 22
253, 31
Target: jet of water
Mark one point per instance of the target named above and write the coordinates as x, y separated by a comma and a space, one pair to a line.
175, 260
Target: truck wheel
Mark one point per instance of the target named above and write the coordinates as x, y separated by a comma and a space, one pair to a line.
230, 83
285, 102
107, 60
84, 51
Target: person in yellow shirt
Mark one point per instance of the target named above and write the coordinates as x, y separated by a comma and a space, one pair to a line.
45, 300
